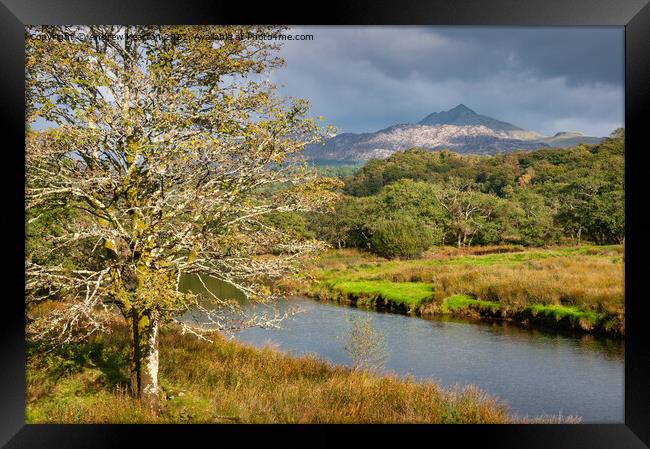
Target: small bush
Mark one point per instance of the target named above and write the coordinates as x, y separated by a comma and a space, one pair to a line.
365, 345
405, 237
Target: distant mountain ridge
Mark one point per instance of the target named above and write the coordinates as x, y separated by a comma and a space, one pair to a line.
459, 129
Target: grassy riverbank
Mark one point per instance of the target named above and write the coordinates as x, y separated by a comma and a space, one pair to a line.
227, 382
579, 288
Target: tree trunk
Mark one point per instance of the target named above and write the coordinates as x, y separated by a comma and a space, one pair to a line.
144, 366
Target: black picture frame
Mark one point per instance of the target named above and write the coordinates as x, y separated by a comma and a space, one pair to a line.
634, 15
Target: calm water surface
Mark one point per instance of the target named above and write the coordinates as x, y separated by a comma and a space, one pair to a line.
535, 372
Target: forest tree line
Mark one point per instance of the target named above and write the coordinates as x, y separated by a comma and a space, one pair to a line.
402, 205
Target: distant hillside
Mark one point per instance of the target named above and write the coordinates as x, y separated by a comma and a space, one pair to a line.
567, 139
459, 129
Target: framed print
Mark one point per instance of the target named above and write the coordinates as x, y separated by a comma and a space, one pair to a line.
395, 214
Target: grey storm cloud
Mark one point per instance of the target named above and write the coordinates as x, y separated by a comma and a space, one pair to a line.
544, 79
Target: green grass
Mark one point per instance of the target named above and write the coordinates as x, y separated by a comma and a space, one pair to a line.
559, 312
556, 312
407, 293
541, 313
458, 302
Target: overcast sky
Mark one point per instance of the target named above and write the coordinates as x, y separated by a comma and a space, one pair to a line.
362, 79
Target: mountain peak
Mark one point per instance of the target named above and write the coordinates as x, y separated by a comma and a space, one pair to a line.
461, 108
461, 115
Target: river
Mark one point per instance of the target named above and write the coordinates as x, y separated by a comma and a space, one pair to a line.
535, 371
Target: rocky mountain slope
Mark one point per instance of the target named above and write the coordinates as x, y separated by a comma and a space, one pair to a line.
460, 129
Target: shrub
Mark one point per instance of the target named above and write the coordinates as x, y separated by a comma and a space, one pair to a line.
365, 345
403, 237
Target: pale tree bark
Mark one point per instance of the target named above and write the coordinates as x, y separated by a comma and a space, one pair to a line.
145, 359
149, 372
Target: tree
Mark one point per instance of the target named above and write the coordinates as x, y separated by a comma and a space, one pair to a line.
607, 217
468, 210
416, 200
169, 149
593, 205
534, 218
345, 225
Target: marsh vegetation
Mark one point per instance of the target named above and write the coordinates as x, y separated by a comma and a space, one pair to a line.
578, 288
